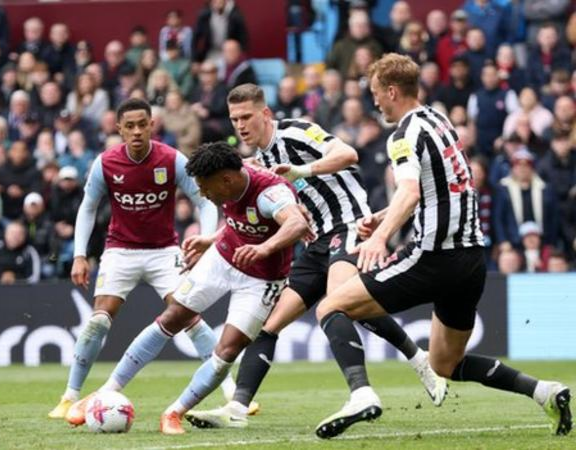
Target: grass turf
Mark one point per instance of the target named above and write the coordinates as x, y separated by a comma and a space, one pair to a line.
294, 398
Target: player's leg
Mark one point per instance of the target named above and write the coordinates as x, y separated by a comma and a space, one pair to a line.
118, 275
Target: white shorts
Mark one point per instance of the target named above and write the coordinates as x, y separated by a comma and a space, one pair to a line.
122, 269
251, 300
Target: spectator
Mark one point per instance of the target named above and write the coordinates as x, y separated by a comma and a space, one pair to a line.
511, 76
182, 122
62, 128
159, 84
82, 58
564, 118
289, 104
524, 197
400, 15
138, 43
353, 115
529, 139
33, 37
25, 66
372, 155
452, 44
558, 262
363, 58
4, 37
414, 42
4, 141
59, 52
178, 68
488, 108
359, 35
29, 129
235, 68
19, 110
460, 87
510, 261
8, 87
77, 155
476, 54
437, 28
539, 117
45, 151
39, 76
184, 216
175, 30
558, 168
559, 86
148, 63
491, 18
87, 101
329, 111
535, 254
39, 230
218, 21
429, 83
479, 167
550, 54
18, 176
65, 201
114, 63
209, 103
159, 131
106, 129
51, 102
48, 180
18, 260
300, 15
312, 89
541, 13
127, 83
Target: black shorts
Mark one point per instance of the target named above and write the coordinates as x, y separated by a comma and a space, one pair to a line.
451, 279
309, 273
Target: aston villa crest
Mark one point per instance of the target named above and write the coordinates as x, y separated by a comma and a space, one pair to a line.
160, 175
252, 216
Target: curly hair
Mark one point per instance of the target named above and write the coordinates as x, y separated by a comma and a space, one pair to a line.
211, 158
132, 104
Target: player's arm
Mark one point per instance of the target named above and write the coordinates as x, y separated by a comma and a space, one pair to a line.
335, 155
207, 210
280, 203
406, 166
93, 192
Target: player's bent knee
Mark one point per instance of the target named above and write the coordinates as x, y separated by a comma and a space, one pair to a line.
99, 323
324, 308
176, 317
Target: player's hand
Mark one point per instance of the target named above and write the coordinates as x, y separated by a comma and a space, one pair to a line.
80, 273
291, 172
366, 226
310, 235
193, 248
249, 254
372, 253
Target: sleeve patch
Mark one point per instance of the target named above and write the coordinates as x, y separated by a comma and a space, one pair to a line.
316, 134
400, 149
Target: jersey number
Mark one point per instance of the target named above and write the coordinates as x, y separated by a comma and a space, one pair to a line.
271, 293
462, 178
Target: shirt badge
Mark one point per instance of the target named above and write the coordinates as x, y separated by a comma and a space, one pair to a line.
160, 175
252, 216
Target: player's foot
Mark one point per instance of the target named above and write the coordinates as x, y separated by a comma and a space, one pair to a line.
216, 418
253, 408
59, 412
557, 407
364, 405
436, 386
229, 387
171, 423
76, 414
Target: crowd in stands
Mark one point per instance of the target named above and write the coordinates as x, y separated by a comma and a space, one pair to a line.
501, 70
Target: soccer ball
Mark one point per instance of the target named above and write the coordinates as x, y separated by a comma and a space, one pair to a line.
109, 412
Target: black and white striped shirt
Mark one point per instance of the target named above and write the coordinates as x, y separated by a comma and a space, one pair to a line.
426, 146
334, 200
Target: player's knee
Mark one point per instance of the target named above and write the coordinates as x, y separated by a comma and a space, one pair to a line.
228, 351
175, 318
99, 324
323, 309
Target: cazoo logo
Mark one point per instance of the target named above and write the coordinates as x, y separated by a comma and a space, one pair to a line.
140, 198
246, 228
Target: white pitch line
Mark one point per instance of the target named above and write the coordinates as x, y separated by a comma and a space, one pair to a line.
354, 437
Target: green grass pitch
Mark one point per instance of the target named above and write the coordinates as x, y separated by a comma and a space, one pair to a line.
294, 398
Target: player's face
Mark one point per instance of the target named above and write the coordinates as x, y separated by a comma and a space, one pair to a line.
135, 127
215, 188
382, 98
249, 121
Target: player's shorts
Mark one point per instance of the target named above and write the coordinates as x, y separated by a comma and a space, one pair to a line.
251, 300
309, 273
122, 269
451, 279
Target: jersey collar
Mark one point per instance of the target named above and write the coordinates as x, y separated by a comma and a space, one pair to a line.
412, 111
272, 139
145, 156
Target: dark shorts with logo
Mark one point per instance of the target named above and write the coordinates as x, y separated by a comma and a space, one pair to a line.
309, 273
451, 279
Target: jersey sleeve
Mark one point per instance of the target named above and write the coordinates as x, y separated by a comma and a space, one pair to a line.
273, 199
95, 184
313, 136
404, 158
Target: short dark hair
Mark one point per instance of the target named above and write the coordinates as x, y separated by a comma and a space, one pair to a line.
245, 93
211, 158
133, 104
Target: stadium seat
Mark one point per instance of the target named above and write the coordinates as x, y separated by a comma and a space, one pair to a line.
269, 72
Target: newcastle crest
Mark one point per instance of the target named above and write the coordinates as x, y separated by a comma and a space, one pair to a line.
160, 175
252, 216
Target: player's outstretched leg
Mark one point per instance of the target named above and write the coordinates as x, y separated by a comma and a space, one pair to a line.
388, 329
364, 404
552, 396
86, 351
254, 366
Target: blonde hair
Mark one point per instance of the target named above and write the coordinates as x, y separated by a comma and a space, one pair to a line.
397, 70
